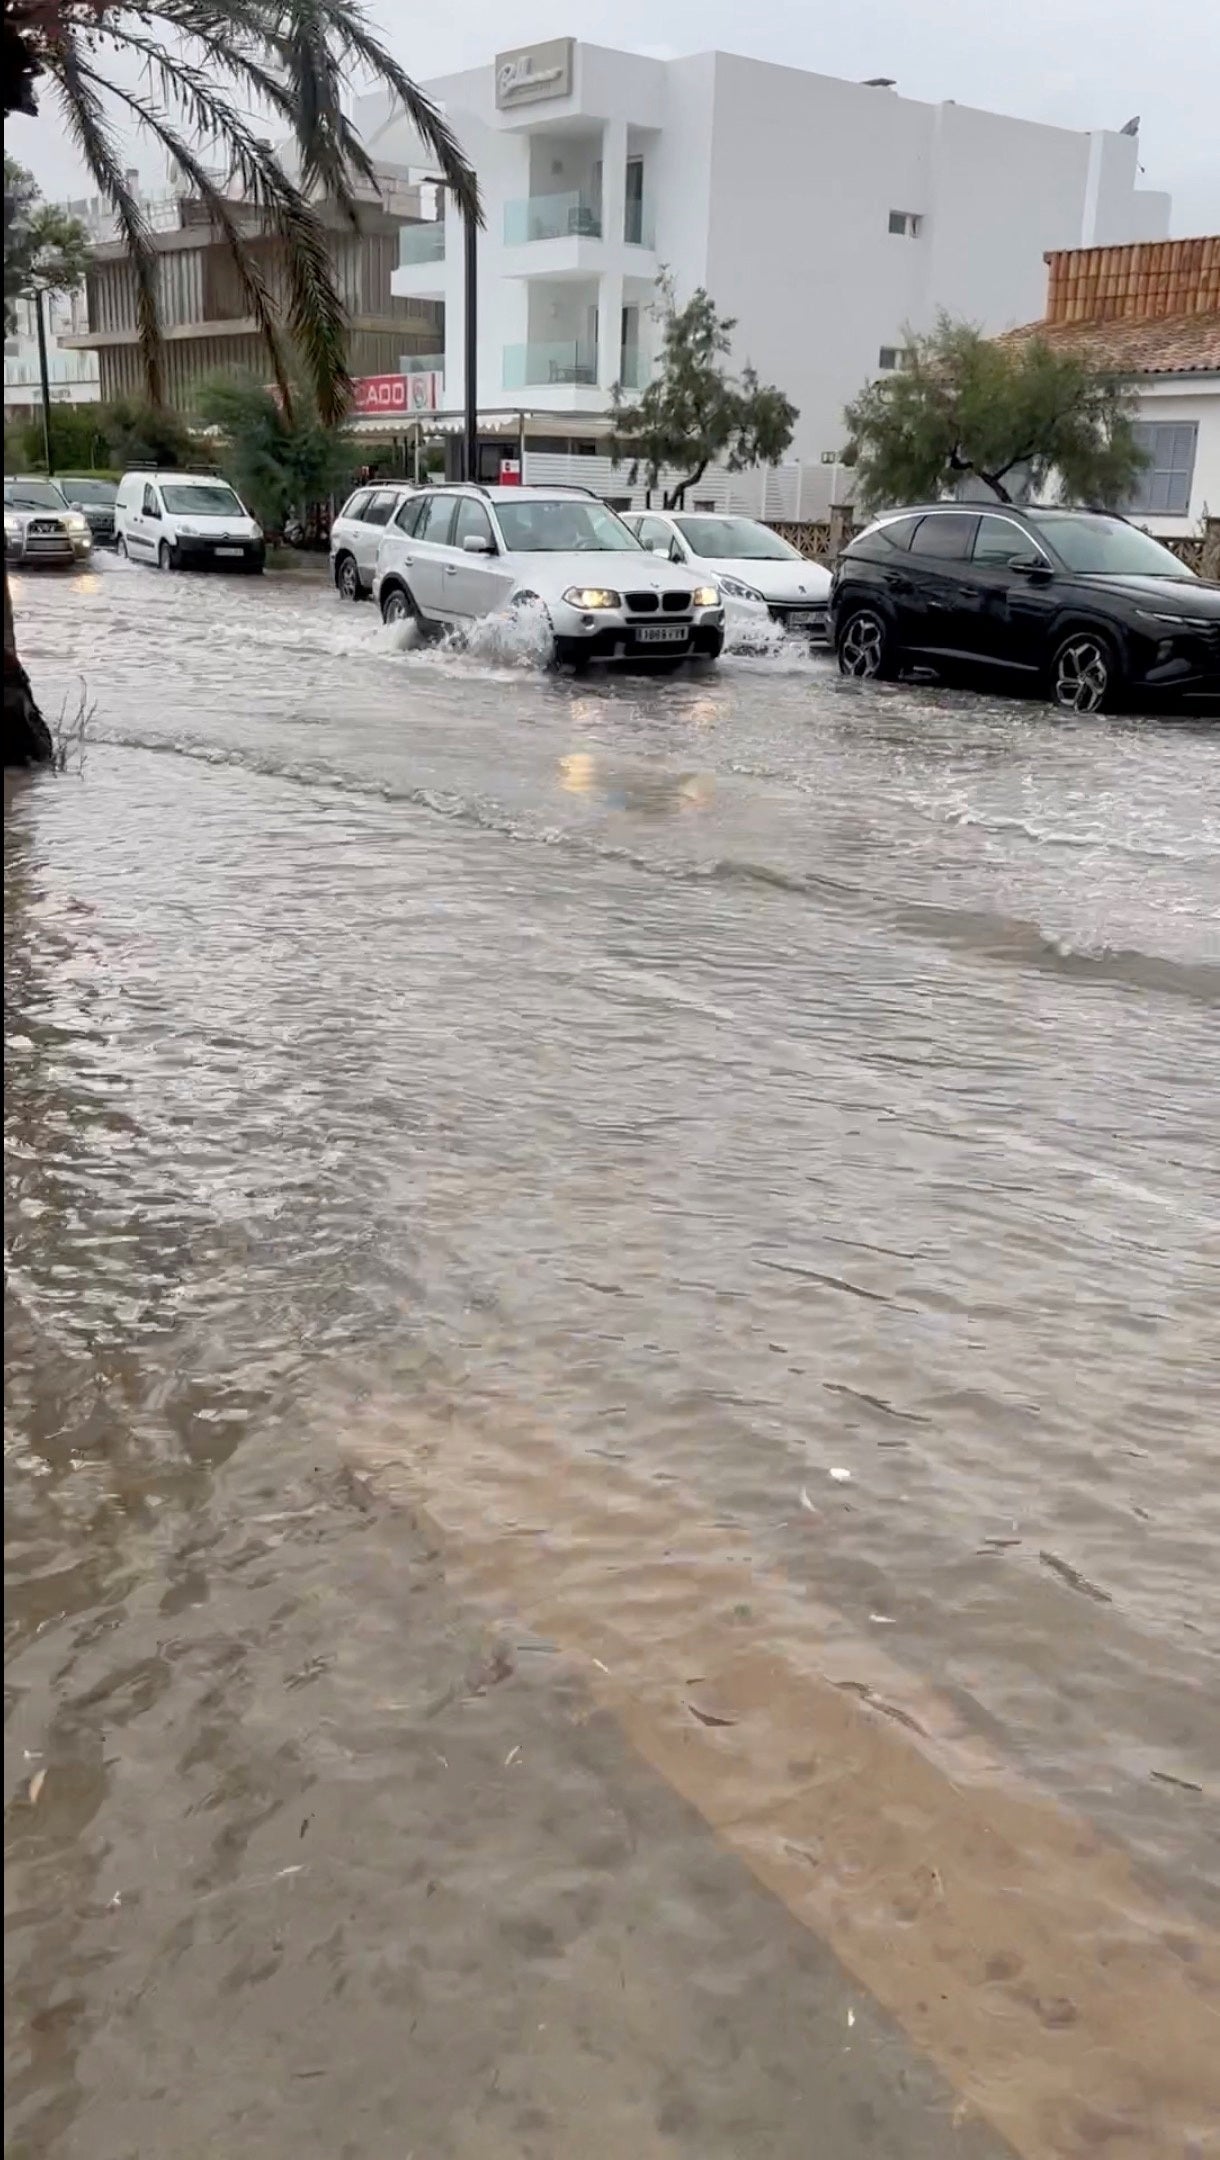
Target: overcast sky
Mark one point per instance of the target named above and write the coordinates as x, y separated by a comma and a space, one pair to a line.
1076, 63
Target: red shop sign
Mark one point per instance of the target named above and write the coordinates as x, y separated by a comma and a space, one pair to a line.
380, 393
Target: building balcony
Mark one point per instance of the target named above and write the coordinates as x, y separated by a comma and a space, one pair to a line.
551, 217
530, 367
422, 363
421, 244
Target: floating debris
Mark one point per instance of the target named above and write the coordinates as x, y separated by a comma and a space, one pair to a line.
1073, 1577
841, 1477
513, 1755
806, 1502
708, 1717
37, 1782
1166, 1777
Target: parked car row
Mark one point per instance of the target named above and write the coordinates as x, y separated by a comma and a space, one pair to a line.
1079, 606
171, 520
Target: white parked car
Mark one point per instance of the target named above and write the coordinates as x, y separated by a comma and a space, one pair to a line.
763, 578
452, 555
358, 532
181, 520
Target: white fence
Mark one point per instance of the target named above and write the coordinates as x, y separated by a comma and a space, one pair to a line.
792, 492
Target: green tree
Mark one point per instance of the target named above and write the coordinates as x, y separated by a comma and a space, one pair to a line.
138, 432
1005, 413
188, 73
694, 411
280, 458
46, 250
81, 441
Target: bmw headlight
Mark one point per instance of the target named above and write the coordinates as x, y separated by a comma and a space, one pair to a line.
706, 596
739, 591
592, 596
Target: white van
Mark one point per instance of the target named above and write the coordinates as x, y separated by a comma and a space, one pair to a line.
182, 520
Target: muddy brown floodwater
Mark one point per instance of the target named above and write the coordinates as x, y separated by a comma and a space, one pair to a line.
613, 1536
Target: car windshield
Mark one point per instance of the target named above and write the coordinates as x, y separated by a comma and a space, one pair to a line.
563, 528
99, 492
32, 495
734, 538
1107, 547
211, 500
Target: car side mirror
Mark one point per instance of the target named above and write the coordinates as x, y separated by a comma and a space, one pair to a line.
1030, 565
478, 544
659, 547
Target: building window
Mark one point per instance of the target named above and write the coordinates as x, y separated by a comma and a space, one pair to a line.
892, 356
1163, 487
906, 223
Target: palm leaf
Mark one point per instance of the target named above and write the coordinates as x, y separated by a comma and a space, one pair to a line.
90, 131
253, 284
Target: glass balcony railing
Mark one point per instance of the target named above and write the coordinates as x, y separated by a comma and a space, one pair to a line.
432, 363
421, 243
530, 366
633, 369
551, 217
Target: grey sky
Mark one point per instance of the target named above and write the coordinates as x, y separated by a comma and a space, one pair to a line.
1077, 63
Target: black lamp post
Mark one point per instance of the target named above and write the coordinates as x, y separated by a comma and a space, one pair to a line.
46, 384
470, 430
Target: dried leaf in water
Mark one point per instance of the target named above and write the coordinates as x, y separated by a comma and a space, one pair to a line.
806, 1502
37, 1782
511, 1757
709, 1717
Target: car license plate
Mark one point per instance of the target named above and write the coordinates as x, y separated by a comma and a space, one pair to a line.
230, 551
662, 634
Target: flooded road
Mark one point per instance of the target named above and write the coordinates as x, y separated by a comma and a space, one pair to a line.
588, 1261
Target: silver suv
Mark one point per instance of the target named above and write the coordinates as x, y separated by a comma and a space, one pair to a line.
357, 534
452, 555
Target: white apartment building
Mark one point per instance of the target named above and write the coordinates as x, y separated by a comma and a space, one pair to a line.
824, 215
73, 376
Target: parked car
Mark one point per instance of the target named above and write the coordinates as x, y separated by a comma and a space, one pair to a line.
357, 533
40, 526
1077, 605
455, 554
762, 579
95, 501
184, 520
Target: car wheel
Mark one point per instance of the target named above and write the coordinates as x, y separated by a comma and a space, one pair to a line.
397, 606
865, 647
1086, 675
347, 578
165, 557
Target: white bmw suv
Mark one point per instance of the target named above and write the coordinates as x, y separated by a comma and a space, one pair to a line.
452, 555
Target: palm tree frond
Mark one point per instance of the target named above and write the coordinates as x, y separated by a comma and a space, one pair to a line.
253, 284
356, 42
90, 131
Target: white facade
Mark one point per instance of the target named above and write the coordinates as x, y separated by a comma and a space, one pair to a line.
73, 376
824, 215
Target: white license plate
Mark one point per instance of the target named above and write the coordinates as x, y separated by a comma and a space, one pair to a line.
230, 551
662, 634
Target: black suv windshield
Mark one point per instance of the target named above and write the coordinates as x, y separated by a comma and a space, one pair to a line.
729, 539
1106, 547
563, 528
33, 495
100, 493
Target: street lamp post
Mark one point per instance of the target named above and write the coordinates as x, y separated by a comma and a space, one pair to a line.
46, 384
470, 429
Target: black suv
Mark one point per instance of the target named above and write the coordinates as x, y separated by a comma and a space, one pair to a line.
1078, 606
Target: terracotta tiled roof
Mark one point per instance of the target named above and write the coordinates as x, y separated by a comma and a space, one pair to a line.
1147, 281
1167, 345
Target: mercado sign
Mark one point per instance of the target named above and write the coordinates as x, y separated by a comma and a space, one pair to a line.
378, 396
